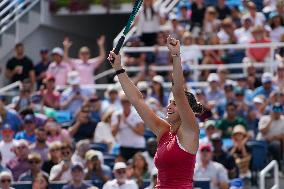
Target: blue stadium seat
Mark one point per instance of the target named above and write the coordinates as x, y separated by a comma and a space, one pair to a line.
202, 183
148, 134
109, 160
102, 147
146, 183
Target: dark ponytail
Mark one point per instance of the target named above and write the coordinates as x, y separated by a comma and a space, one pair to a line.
196, 107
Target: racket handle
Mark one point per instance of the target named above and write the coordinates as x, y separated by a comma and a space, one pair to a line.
119, 44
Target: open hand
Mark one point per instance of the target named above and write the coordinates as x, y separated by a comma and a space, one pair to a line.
173, 45
67, 43
115, 60
101, 40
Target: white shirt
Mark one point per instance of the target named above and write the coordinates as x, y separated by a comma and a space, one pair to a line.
129, 184
190, 55
277, 126
259, 19
6, 151
149, 160
149, 24
276, 33
66, 176
243, 35
103, 133
214, 171
125, 136
223, 36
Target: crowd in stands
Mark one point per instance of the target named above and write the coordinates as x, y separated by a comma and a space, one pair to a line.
77, 135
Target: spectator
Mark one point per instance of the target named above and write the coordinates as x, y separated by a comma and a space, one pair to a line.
213, 94
153, 182
229, 97
42, 66
223, 157
82, 147
28, 133
209, 169
85, 65
6, 144
158, 90
210, 129
148, 23
257, 17
226, 34
96, 170
140, 168
279, 77
54, 156
210, 23
10, 116
84, 127
197, 14
162, 58
51, 98
252, 79
23, 101
56, 133
40, 182
77, 172
223, 10
6, 180
242, 105
176, 29
128, 128
40, 145
103, 133
20, 67
277, 29
243, 34
96, 111
35, 163
19, 164
59, 69
267, 86
184, 17
111, 100
62, 171
74, 96
240, 150
150, 152
258, 54
271, 129
120, 181
231, 119
2, 168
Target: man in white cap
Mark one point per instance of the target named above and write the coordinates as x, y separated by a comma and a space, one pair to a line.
214, 94
267, 86
59, 69
120, 181
74, 96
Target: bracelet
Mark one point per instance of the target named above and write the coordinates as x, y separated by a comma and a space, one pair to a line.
119, 71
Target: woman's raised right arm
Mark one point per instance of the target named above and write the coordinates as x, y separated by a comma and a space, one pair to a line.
157, 125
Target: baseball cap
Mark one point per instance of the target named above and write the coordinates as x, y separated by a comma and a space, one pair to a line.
266, 77
239, 129
158, 79
29, 118
239, 91
209, 123
213, 77
77, 166
142, 86
258, 99
277, 108
58, 50
73, 78
205, 147
119, 165
216, 137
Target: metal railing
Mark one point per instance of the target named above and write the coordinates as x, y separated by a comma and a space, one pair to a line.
272, 165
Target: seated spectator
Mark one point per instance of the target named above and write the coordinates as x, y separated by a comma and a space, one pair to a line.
162, 58
82, 147
20, 67
258, 18
40, 119
211, 23
223, 157
111, 100
236, 16
55, 132
213, 94
95, 168
23, 100
84, 127
62, 171
279, 77
243, 106
77, 181
226, 34
209, 169
50, 97
3, 168
35, 163
40, 181
20, 163
6, 180
158, 90
277, 29
243, 34
96, 110
103, 133
85, 65
176, 29
267, 86
240, 150
184, 17
10, 116
7, 144
223, 10
128, 128
258, 54
120, 181
231, 119
74, 96
153, 182
28, 133
210, 129
150, 152
40, 145
140, 168
54, 156
42, 66
271, 129
59, 69
229, 97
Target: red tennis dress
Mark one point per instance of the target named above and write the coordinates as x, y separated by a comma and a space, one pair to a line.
175, 166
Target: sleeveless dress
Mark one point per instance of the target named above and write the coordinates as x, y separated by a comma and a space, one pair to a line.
175, 165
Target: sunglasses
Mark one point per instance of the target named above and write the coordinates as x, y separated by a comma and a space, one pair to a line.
66, 153
34, 161
21, 147
122, 171
6, 180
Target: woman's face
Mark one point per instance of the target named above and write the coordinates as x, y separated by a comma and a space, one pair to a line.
139, 162
172, 112
238, 137
5, 182
156, 86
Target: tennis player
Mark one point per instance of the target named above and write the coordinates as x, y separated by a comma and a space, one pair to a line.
178, 135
